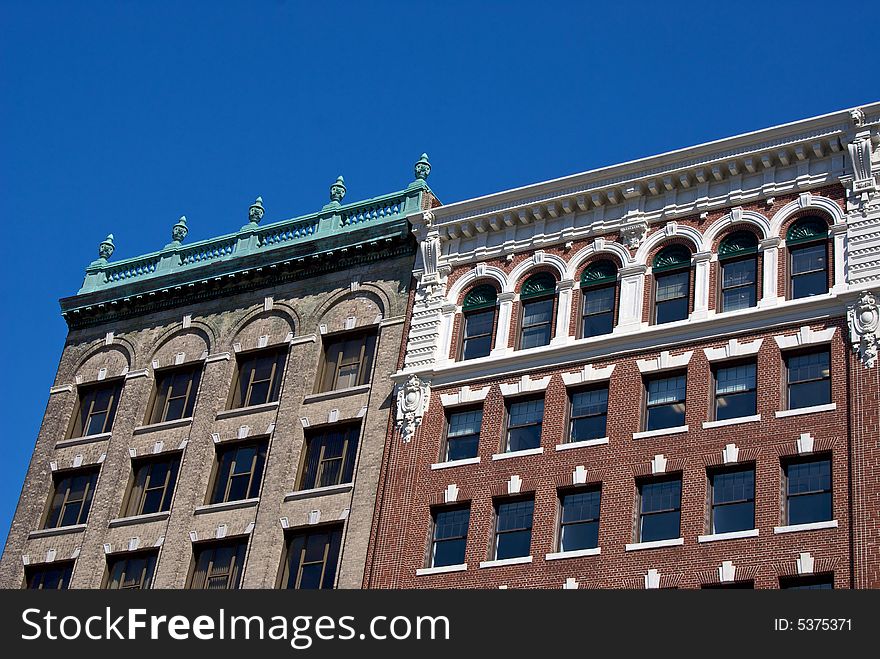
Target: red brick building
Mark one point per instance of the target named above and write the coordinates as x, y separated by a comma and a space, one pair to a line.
652, 375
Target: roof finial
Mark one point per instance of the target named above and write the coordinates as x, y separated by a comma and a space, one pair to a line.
422, 168
337, 190
179, 230
105, 249
255, 212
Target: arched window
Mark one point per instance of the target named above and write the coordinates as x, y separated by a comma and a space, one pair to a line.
672, 284
537, 298
738, 261
807, 242
479, 321
598, 292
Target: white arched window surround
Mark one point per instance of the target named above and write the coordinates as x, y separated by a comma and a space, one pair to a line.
767, 246
701, 258
456, 292
519, 274
629, 280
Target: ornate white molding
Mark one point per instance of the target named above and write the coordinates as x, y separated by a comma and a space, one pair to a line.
524, 385
733, 348
412, 403
664, 362
464, 395
588, 373
863, 317
805, 336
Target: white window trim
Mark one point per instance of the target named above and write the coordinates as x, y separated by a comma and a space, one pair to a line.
85, 439
459, 567
519, 560
577, 553
318, 491
674, 430
812, 526
732, 535
516, 454
163, 425
655, 544
242, 411
456, 463
752, 418
139, 519
813, 409
226, 505
57, 530
582, 444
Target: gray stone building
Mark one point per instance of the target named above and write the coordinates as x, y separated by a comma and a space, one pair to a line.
220, 408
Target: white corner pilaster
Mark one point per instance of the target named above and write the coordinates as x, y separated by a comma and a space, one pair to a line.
632, 287
564, 295
505, 313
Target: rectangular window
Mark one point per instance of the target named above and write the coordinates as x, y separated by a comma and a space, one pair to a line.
153, 485
450, 536
736, 391
312, 556
477, 340
812, 582
218, 565
809, 379
809, 270
330, 457
259, 377
348, 360
524, 419
589, 412
659, 509
808, 490
598, 310
463, 434
97, 407
48, 576
71, 498
665, 401
131, 571
738, 284
671, 300
239, 471
733, 500
579, 519
513, 528
175, 394
537, 319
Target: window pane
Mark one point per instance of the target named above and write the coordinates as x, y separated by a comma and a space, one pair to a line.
514, 528
450, 536
515, 515
514, 544
738, 273
588, 427
521, 439
733, 486
96, 423
810, 366
667, 390
660, 526
665, 416
738, 298
808, 259
259, 392
476, 324
465, 423
809, 394
579, 536
540, 311
597, 325
733, 517
584, 403
812, 476
735, 379
526, 412
672, 286
580, 507
733, 407
463, 434
668, 312
661, 495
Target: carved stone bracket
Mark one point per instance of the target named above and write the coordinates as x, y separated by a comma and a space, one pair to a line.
633, 234
864, 328
412, 403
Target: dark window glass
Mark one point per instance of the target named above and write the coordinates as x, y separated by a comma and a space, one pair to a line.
218, 565
477, 339
660, 509
813, 582
348, 360
153, 485
739, 283
736, 391
175, 394
589, 410
537, 319
463, 434
733, 500
809, 270
132, 571
71, 498
671, 298
598, 310
808, 490
665, 402
259, 378
239, 472
450, 536
49, 576
513, 528
580, 520
312, 557
330, 457
809, 379
97, 407
524, 420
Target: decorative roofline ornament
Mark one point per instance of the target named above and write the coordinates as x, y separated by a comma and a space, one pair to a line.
337, 190
256, 210
412, 403
422, 168
633, 235
179, 231
864, 327
106, 247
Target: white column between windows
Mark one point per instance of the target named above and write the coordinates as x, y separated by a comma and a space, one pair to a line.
505, 311
563, 311
632, 291
701, 284
444, 341
838, 236
769, 248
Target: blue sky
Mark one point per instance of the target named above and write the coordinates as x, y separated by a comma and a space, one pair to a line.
121, 116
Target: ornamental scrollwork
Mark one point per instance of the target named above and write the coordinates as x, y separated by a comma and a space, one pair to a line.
412, 403
863, 317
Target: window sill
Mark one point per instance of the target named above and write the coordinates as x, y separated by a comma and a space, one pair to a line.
139, 519
731, 422
582, 444
88, 439
732, 535
60, 530
519, 560
318, 491
660, 432
163, 425
555, 556
455, 463
242, 411
812, 526
828, 407
226, 505
517, 454
655, 544
461, 567
337, 393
